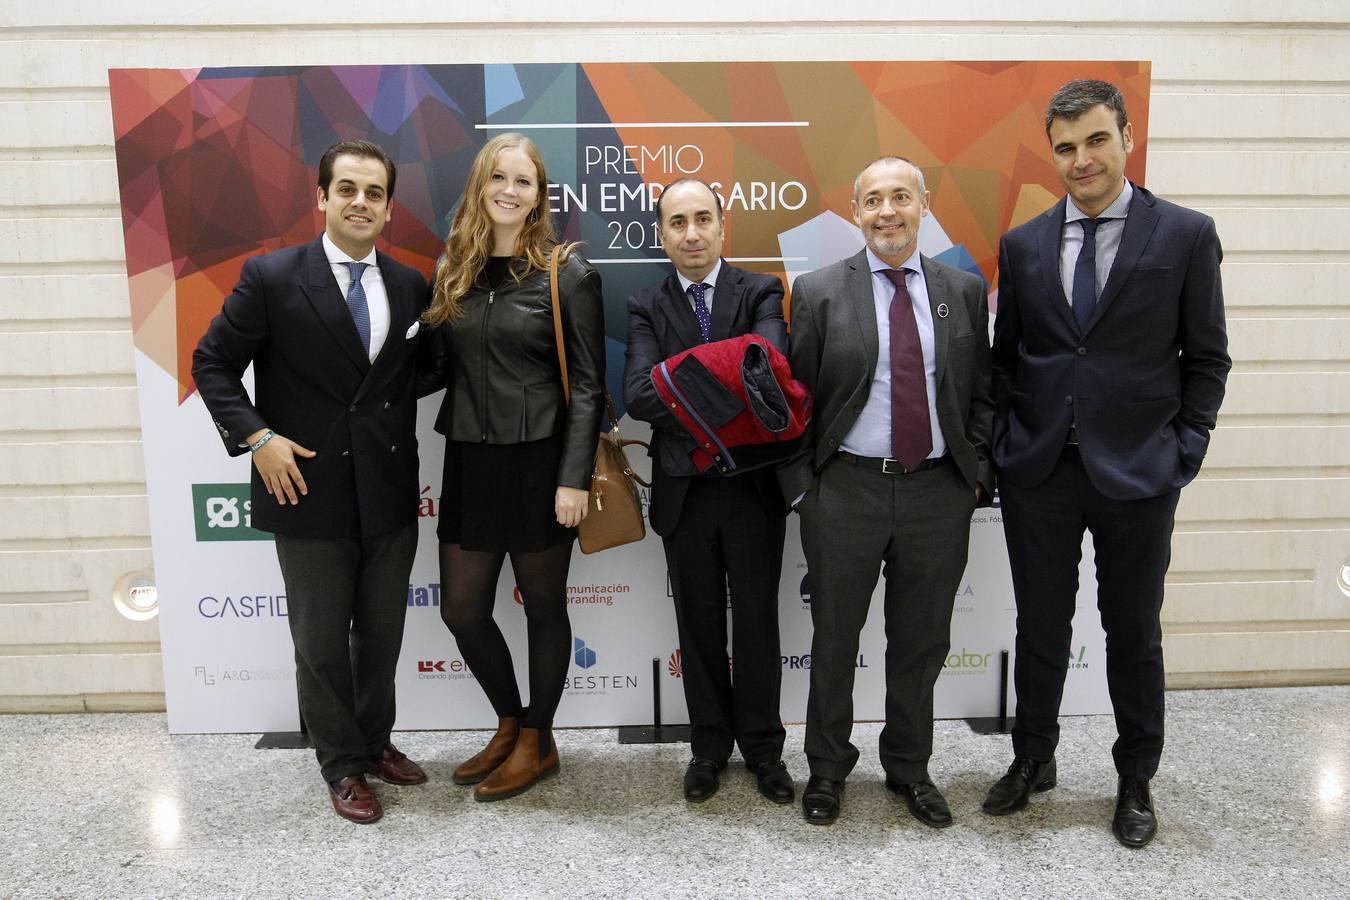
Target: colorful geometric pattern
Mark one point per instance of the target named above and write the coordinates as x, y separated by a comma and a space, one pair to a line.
217, 165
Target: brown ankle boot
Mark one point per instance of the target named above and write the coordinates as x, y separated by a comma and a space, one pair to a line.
478, 767
535, 757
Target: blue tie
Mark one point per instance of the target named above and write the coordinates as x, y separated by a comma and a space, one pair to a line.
700, 293
356, 302
1085, 275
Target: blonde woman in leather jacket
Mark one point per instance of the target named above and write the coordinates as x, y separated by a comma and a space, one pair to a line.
518, 458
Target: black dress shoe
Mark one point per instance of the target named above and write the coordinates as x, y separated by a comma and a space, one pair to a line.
701, 779
1025, 775
1134, 823
774, 781
925, 802
820, 800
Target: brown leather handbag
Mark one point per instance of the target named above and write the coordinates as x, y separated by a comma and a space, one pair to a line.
614, 511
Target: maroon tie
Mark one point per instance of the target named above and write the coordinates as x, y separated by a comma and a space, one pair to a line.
911, 431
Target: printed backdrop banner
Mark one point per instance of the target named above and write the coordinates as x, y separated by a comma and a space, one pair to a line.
217, 165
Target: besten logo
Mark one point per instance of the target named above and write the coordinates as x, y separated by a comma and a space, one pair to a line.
258, 606
675, 665
223, 512
585, 655
442, 670
594, 682
212, 676
1078, 661
966, 662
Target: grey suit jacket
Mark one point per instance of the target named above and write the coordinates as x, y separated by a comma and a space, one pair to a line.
833, 347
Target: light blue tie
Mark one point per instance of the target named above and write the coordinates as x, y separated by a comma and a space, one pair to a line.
356, 302
700, 293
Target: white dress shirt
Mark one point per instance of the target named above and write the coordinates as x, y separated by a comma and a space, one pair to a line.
871, 434
710, 281
1110, 227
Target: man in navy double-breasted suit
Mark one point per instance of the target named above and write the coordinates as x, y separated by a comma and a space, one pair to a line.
330, 329
1110, 357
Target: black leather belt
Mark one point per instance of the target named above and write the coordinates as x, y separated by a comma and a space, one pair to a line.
888, 466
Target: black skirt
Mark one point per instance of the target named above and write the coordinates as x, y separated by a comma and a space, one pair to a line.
499, 497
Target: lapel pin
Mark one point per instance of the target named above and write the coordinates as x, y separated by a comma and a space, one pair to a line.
942, 310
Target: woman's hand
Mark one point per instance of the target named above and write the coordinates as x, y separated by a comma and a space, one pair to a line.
569, 505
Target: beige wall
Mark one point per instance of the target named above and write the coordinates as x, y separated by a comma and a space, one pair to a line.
1250, 123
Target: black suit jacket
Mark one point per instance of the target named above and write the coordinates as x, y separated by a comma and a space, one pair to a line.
834, 351
661, 323
315, 385
1142, 383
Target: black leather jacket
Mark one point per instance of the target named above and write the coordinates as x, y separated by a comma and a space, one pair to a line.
499, 365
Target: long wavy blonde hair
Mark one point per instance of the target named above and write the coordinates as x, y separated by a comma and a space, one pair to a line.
469, 243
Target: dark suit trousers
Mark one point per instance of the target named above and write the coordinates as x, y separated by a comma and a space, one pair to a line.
346, 599
725, 538
915, 530
1132, 542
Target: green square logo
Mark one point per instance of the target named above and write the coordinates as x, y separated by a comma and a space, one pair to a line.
223, 512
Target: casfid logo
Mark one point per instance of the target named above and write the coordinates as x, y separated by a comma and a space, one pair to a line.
675, 665
223, 512
257, 606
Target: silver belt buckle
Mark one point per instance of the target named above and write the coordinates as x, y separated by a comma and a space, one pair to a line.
887, 470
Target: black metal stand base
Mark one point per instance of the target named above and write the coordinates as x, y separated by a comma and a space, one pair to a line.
991, 724
284, 740
653, 734
656, 733
1001, 723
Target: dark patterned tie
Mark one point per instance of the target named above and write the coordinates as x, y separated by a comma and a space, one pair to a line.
700, 293
1085, 275
911, 430
356, 302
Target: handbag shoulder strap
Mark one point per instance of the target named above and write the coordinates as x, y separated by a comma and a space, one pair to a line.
558, 335
557, 321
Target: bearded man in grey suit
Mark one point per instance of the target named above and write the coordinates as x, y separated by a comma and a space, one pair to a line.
895, 348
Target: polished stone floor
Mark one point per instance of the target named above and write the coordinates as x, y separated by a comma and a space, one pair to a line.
1253, 800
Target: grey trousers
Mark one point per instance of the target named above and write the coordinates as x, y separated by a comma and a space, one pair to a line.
914, 529
346, 600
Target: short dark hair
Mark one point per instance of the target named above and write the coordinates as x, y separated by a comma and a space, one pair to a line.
1081, 95
687, 180
363, 149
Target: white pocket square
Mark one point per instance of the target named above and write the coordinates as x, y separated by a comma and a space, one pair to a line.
413, 329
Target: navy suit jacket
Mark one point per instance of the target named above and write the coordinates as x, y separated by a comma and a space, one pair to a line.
661, 323
315, 384
1141, 384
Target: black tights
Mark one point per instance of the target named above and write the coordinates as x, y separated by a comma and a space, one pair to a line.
468, 595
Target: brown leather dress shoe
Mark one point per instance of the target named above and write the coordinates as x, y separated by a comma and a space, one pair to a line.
535, 757
395, 768
499, 747
352, 799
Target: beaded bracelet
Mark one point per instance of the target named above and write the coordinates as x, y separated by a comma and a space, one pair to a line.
257, 445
